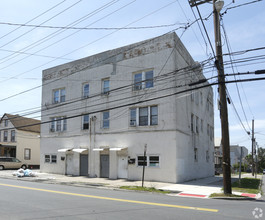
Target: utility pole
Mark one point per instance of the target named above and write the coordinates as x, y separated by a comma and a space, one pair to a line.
217, 6
253, 148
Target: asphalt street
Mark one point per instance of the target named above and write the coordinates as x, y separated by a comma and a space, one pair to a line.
30, 200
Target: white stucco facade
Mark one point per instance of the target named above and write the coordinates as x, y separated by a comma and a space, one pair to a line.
155, 112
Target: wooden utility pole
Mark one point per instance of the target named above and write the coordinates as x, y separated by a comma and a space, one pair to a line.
223, 104
217, 6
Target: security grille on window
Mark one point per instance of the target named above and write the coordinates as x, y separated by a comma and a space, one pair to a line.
86, 91
58, 95
47, 158
85, 122
58, 124
144, 116
154, 161
53, 158
142, 161
13, 136
105, 119
143, 80
151, 161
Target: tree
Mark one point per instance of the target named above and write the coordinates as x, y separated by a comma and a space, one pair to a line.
261, 159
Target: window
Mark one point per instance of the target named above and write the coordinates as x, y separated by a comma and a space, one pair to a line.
207, 156
191, 123
154, 115
13, 136
144, 116
53, 158
58, 95
6, 122
195, 154
142, 160
201, 125
58, 124
143, 80
50, 158
154, 161
197, 125
47, 159
151, 161
105, 86
5, 136
133, 117
211, 133
105, 119
208, 129
85, 90
27, 154
85, 122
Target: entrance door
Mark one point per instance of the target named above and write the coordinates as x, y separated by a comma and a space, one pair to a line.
69, 164
123, 167
104, 166
83, 164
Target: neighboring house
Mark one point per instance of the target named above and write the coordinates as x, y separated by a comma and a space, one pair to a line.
19, 139
104, 109
235, 153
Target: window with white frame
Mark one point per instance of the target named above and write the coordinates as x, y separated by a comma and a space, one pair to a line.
27, 154
144, 116
13, 136
105, 86
58, 124
105, 123
50, 158
151, 160
144, 79
85, 125
86, 90
59, 95
5, 136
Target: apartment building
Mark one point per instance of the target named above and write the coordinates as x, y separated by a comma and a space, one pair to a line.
100, 113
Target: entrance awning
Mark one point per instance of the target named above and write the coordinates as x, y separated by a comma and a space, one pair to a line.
64, 149
79, 150
98, 149
116, 149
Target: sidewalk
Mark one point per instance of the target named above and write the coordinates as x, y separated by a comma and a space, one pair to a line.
201, 188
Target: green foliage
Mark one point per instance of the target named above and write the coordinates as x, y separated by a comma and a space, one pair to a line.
248, 185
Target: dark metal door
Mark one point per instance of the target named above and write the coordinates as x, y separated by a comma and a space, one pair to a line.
104, 166
83, 164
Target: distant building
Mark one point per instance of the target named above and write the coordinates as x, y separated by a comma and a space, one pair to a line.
104, 109
235, 152
19, 139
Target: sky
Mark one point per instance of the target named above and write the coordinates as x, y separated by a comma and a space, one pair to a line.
34, 37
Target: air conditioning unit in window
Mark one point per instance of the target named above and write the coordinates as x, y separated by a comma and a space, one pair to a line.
132, 123
137, 87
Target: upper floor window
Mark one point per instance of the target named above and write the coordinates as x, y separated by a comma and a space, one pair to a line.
85, 90
143, 80
5, 136
13, 136
105, 123
59, 95
6, 122
105, 86
85, 125
192, 123
58, 124
144, 116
